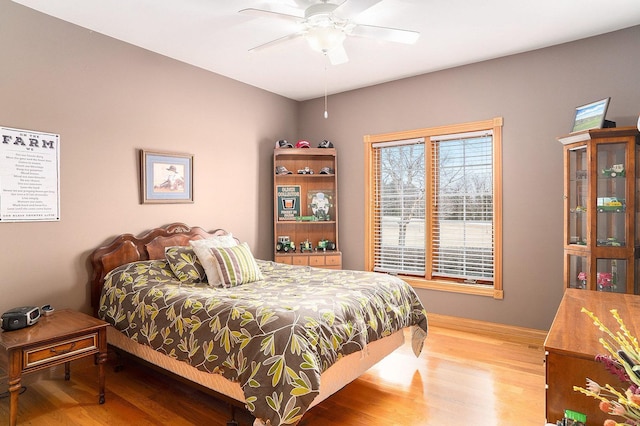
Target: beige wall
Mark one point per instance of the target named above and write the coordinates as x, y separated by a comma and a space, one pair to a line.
108, 99
536, 93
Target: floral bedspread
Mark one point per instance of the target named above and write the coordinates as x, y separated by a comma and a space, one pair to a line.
275, 337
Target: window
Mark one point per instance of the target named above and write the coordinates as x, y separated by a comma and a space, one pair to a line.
434, 206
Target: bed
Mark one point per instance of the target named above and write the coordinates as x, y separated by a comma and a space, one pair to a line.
276, 338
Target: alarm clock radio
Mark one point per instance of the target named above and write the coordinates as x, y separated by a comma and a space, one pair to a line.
22, 317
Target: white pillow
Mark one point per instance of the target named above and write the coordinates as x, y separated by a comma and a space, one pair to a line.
208, 261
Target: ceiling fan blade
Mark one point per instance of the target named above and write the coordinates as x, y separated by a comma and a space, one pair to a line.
338, 55
352, 8
271, 14
276, 42
385, 33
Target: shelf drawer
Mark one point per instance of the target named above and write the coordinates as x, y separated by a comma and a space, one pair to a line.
316, 260
333, 260
283, 259
60, 350
300, 260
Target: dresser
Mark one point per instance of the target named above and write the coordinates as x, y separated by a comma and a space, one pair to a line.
572, 344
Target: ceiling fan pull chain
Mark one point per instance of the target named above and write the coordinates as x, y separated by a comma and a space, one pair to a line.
326, 112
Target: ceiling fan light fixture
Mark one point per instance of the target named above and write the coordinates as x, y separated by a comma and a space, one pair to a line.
325, 39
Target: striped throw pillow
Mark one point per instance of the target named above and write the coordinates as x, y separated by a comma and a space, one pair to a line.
236, 265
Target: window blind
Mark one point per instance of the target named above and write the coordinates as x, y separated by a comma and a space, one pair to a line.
399, 207
462, 228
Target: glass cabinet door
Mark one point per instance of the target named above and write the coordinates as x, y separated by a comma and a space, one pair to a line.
578, 193
610, 202
636, 213
578, 271
636, 284
611, 275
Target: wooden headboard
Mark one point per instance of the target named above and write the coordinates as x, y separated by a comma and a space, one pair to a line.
128, 248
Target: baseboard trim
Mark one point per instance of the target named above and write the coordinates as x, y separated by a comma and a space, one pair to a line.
509, 333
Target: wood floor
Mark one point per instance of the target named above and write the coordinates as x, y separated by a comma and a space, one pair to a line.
461, 378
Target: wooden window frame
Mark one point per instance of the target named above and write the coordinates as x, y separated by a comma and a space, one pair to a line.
495, 125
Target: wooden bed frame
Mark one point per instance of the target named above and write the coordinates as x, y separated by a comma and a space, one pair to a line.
127, 248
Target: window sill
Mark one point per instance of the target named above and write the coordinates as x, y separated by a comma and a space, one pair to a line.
477, 290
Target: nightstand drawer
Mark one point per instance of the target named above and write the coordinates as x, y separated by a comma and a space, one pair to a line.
59, 350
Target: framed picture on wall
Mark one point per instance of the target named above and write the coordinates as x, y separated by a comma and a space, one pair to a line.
166, 177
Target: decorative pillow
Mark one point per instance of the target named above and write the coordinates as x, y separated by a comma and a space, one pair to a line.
236, 265
202, 249
185, 264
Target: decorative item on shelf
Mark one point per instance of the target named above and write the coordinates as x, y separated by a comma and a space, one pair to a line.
615, 170
591, 116
285, 244
306, 246
306, 219
282, 143
606, 281
326, 171
288, 199
320, 204
305, 171
327, 144
611, 204
609, 242
282, 170
303, 144
324, 245
582, 277
572, 418
47, 310
623, 361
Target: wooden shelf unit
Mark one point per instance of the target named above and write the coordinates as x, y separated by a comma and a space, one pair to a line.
602, 210
301, 189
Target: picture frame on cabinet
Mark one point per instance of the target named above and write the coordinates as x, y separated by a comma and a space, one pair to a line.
165, 177
590, 116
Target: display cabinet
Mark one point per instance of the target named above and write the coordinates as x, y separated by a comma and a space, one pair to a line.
601, 209
305, 198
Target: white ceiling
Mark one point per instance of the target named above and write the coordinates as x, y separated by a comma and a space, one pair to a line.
212, 35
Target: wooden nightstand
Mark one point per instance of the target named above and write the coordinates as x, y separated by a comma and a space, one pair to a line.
58, 338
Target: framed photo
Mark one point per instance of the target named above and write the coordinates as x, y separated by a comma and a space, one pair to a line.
166, 177
590, 116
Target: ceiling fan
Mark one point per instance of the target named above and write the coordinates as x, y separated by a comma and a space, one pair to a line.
325, 26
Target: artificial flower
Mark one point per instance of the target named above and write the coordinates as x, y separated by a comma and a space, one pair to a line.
623, 362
